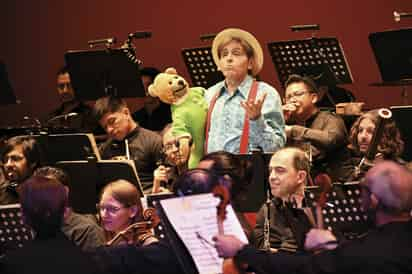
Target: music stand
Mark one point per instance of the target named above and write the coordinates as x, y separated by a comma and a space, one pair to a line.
68, 147
342, 213
402, 116
393, 52
97, 73
6, 91
201, 67
321, 59
87, 179
255, 193
13, 232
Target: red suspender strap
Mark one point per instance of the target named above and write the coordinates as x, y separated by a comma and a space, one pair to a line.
244, 140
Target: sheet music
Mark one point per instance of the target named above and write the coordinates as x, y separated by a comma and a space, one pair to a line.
194, 220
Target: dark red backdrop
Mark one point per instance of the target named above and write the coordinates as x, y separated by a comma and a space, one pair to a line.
35, 35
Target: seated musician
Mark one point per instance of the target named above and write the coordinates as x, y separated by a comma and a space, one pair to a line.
386, 197
282, 224
20, 156
82, 229
119, 208
389, 147
321, 133
44, 204
172, 164
144, 146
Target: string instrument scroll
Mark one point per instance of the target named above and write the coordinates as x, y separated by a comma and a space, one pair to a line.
140, 230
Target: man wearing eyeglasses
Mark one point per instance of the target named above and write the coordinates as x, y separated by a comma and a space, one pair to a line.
72, 113
321, 134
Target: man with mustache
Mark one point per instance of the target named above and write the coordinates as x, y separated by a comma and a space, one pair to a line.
387, 197
321, 133
21, 156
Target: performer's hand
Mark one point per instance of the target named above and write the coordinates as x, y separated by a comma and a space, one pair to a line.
318, 239
161, 174
227, 245
254, 108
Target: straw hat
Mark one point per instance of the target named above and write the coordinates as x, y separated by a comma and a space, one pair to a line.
243, 35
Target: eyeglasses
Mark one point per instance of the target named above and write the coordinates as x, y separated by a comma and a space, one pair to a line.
297, 94
63, 85
109, 209
171, 146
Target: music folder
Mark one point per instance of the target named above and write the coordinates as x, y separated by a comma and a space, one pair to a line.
190, 223
87, 179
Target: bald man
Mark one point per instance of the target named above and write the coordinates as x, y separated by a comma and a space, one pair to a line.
387, 197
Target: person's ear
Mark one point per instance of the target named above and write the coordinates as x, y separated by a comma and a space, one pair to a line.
301, 176
250, 64
315, 97
133, 211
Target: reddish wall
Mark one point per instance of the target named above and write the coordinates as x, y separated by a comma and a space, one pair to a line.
35, 35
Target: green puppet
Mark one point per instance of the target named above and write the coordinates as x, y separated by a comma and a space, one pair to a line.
189, 112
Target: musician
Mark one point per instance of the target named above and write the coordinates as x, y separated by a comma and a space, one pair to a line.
239, 56
72, 112
21, 155
172, 164
82, 229
282, 223
387, 196
127, 138
390, 146
154, 114
321, 133
44, 203
118, 208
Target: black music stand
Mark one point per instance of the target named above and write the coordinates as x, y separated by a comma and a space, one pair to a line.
393, 53
342, 213
97, 73
13, 232
7, 96
201, 67
254, 195
321, 59
87, 179
68, 147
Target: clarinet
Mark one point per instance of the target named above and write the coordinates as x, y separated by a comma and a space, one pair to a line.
266, 225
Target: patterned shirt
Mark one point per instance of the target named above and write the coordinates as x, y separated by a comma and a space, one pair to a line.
227, 119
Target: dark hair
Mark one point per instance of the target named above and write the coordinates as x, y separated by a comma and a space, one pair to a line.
53, 173
43, 201
62, 70
195, 181
225, 163
108, 104
390, 145
150, 72
31, 149
295, 78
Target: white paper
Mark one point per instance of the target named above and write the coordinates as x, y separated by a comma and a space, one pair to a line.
194, 219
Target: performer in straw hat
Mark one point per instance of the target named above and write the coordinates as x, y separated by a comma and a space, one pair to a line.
243, 113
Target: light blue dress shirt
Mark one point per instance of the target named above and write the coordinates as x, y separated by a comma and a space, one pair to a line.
227, 119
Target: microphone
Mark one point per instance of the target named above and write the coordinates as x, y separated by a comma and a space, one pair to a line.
397, 16
305, 27
140, 35
208, 36
107, 41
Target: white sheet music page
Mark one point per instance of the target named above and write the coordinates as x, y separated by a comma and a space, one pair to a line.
194, 220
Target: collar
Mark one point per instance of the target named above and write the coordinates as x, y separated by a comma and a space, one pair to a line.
243, 89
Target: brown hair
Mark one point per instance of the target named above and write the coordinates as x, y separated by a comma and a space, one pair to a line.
108, 104
391, 144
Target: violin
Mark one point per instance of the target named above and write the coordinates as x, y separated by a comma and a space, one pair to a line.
137, 232
222, 192
325, 183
